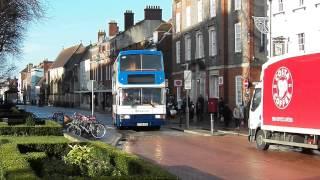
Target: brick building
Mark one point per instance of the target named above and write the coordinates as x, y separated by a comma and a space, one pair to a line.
217, 41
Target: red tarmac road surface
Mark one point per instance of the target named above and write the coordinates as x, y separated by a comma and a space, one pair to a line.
223, 157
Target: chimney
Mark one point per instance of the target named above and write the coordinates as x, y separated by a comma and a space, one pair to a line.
153, 13
113, 28
128, 19
101, 36
30, 66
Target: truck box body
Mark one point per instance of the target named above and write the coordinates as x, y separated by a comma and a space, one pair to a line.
291, 95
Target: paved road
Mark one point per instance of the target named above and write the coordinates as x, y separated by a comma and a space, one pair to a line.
112, 136
222, 157
46, 111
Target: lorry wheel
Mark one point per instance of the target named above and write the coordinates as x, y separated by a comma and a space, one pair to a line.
261, 145
306, 151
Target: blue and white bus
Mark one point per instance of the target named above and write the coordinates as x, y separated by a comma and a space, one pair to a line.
138, 88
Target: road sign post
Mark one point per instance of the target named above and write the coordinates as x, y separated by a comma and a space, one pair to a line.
187, 86
91, 85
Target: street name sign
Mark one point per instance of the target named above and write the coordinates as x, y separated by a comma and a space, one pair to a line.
187, 79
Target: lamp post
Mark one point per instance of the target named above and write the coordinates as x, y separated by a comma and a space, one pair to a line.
97, 60
187, 97
270, 40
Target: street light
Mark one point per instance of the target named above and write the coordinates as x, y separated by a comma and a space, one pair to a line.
98, 61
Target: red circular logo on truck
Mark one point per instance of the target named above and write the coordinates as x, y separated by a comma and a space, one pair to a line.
282, 88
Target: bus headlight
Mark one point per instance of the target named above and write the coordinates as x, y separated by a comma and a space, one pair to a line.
158, 116
123, 116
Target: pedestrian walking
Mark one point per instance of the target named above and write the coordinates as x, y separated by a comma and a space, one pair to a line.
237, 116
241, 108
221, 106
191, 110
227, 113
200, 107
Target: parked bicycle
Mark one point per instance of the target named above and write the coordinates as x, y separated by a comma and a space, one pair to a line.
58, 117
88, 124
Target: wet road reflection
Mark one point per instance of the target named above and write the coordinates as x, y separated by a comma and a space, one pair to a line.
223, 157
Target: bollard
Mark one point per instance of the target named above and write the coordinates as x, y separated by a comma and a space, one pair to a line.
212, 123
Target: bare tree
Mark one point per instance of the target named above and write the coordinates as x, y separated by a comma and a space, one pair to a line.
14, 17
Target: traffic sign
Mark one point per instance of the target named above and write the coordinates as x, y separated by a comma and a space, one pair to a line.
246, 83
187, 79
177, 83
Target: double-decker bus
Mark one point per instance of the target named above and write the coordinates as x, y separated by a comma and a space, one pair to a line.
138, 87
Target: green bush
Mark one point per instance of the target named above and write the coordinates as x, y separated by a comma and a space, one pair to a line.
132, 166
13, 165
57, 169
90, 161
51, 149
17, 165
30, 121
51, 128
23, 156
14, 110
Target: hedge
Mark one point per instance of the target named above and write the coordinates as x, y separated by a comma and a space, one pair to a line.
131, 166
22, 157
50, 128
15, 165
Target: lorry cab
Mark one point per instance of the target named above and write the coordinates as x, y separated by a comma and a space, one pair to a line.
256, 108
285, 104
255, 112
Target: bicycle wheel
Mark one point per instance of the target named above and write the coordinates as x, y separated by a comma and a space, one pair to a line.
74, 130
98, 131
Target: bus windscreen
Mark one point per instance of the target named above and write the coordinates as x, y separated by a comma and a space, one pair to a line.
142, 96
140, 62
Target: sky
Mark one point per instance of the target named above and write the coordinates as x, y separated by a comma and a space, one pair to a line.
69, 22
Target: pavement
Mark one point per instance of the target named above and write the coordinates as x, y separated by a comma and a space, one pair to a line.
203, 128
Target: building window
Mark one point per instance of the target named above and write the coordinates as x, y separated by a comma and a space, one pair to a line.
280, 7
301, 41
199, 44
178, 52
188, 14
178, 17
278, 48
212, 42
237, 5
214, 87
213, 8
200, 10
237, 37
107, 72
101, 73
262, 42
188, 48
238, 89
178, 24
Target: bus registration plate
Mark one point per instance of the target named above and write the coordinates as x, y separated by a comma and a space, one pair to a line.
142, 124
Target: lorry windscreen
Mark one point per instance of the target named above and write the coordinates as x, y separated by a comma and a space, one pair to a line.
256, 99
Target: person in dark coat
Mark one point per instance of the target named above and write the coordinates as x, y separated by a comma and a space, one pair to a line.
200, 108
191, 110
220, 108
227, 115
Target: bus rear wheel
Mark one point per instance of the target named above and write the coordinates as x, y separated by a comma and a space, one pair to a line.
261, 144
